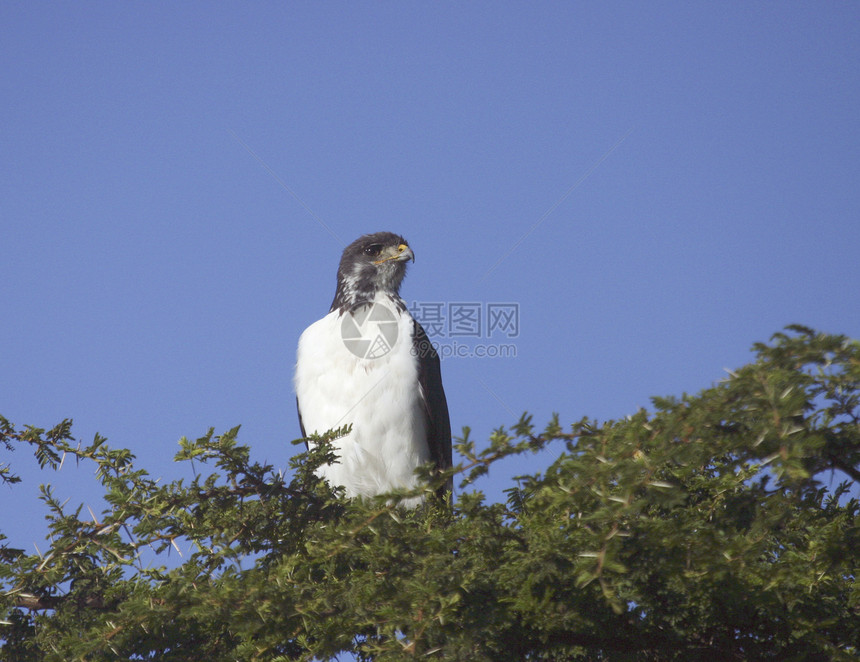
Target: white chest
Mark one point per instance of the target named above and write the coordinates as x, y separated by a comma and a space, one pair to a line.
360, 370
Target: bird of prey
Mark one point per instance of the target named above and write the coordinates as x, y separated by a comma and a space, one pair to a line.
368, 363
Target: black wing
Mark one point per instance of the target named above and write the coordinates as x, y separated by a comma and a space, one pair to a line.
433, 399
301, 423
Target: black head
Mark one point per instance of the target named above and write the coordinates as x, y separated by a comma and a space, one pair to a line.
371, 264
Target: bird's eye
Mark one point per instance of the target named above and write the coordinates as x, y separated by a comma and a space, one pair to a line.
373, 250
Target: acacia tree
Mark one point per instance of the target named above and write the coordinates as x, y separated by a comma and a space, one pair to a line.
702, 529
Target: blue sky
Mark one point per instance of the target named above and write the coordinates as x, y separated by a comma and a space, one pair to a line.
664, 184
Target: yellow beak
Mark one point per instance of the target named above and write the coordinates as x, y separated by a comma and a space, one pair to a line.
402, 252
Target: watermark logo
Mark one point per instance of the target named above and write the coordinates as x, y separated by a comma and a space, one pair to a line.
369, 330
467, 319
455, 329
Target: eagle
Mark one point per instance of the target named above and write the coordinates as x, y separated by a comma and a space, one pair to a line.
368, 363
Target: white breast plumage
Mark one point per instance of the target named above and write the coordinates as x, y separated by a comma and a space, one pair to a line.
379, 396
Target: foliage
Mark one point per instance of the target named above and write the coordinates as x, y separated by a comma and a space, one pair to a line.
700, 529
